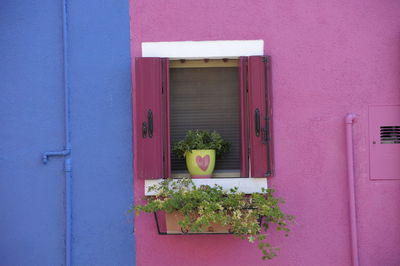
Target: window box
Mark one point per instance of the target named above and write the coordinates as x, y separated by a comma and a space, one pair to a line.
168, 224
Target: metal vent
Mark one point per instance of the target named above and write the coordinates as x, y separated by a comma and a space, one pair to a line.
390, 134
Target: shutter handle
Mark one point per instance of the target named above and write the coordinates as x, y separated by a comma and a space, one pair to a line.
257, 122
144, 130
150, 122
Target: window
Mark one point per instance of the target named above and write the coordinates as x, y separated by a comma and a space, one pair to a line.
204, 94
161, 112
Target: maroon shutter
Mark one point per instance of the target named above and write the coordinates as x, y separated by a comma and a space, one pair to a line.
259, 116
166, 118
149, 117
244, 122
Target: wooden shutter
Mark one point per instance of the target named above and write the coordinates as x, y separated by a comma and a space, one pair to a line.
150, 118
166, 118
244, 121
259, 116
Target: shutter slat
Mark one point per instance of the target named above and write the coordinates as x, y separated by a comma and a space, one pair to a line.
244, 122
166, 118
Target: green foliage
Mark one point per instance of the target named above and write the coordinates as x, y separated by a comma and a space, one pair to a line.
204, 205
201, 140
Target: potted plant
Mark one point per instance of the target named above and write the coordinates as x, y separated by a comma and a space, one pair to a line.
197, 208
200, 147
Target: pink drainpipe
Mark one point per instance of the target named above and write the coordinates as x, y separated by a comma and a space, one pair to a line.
352, 197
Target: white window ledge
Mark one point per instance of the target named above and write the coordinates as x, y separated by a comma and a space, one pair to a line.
245, 185
203, 49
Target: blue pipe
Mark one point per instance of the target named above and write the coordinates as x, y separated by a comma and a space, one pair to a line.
47, 154
67, 150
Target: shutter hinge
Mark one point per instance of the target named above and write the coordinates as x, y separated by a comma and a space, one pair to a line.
247, 75
265, 130
268, 173
162, 76
265, 59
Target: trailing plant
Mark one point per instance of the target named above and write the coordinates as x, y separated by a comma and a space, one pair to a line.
248, 216
201, 140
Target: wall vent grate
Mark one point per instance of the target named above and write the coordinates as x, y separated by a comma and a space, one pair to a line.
390, 134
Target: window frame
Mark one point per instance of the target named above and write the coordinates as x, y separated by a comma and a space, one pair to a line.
232, 94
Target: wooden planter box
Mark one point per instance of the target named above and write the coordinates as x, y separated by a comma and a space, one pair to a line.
173, 227
168, 224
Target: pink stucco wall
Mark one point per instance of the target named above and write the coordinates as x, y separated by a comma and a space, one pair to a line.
329, 58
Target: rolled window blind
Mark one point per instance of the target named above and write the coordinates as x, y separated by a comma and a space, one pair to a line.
206, 98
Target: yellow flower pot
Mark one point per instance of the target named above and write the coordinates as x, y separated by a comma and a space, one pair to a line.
200, 163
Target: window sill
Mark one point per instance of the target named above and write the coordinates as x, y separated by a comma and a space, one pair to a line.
245, 185
216, 174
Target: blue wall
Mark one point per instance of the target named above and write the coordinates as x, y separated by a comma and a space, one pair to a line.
31, 113
32, 116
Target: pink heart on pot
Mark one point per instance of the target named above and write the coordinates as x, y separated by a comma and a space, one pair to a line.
203, 162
